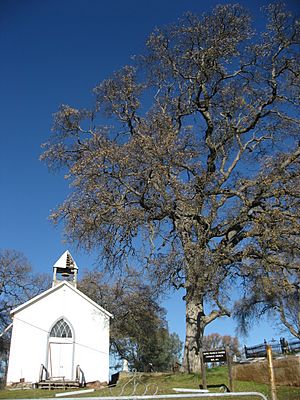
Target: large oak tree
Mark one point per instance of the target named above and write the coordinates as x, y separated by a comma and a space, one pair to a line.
175, 170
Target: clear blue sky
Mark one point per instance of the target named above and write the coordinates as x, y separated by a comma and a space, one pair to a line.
54, 52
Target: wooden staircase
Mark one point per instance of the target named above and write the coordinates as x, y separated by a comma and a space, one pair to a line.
59, 382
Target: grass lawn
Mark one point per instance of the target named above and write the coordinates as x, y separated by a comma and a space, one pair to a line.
165, 383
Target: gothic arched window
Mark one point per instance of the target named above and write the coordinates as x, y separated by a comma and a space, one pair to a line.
61, 329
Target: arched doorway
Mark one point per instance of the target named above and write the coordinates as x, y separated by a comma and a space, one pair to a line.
61, 350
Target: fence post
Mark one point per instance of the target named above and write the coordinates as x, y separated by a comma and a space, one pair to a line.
245, 350
229, 364
271, 372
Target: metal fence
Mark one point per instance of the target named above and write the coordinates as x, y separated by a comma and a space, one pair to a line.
281, 347
254, 395
295, 346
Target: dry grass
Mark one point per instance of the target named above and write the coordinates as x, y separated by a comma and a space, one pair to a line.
165, 383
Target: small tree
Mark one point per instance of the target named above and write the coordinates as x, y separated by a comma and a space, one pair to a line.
17, 285
139, 331
178, 174
159, 351
217, 341
4, 353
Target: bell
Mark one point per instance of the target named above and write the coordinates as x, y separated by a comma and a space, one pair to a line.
65, 274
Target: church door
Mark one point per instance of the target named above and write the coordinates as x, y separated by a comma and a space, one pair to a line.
60, 351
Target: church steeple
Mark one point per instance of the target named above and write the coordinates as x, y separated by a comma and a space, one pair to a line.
66, 268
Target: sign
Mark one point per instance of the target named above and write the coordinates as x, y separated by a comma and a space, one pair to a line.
214, 356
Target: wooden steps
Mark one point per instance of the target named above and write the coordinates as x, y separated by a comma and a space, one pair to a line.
58, 384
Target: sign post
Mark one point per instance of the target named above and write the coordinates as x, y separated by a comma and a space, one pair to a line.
230, 380
203, 371
213, 356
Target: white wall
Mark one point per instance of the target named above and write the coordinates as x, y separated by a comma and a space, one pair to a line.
29, 345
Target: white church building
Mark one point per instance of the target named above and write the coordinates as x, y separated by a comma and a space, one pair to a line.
60, 335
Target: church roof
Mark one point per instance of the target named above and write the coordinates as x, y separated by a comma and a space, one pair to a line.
65, 261
54, 289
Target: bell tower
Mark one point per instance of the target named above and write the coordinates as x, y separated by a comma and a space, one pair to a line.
65, 268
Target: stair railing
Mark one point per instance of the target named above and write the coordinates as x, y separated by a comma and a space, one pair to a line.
80, 376
44, 374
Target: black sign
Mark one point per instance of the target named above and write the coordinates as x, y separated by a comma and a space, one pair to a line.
214, 356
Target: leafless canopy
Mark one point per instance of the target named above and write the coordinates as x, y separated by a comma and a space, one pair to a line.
182, 167
17, 283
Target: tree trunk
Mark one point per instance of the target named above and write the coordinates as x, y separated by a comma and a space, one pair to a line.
194, 333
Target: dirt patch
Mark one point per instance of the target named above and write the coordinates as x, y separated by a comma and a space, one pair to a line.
96, 385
